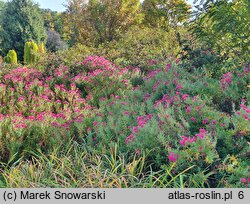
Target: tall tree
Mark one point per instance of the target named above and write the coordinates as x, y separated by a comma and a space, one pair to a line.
54, 41
225, 27
21, 22
2, 7
204, 5
99, 21
52, 20
165, 14
2, 4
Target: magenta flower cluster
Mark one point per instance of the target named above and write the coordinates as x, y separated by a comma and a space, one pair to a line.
245, 181
187, 140
226, 80
141, 122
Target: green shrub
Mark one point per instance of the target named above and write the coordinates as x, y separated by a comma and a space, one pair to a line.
11, 57
7, 59
30, 52
41, 48
141, 47
169, 123
165, 128
71, 58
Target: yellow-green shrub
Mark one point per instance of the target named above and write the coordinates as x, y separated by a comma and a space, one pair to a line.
30, 52
11, 57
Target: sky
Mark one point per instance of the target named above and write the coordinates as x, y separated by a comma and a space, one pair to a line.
57, 5
54, 5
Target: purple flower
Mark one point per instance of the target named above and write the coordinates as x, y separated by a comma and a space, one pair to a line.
173, 157
243, 180
205, 121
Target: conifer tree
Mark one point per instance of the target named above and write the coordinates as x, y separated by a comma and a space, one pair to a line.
41, 48
30, 52
21, 21
11, 57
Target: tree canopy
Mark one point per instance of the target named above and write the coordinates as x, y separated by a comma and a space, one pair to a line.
225, 27
99, 21
21, 22
165, 13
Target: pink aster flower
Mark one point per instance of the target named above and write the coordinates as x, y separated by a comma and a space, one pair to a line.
95, 123
179, 86
188, 109
184, 97
214, 122
193, 119
129, 139
168, 67
173, 157
136, 129
246, 117
201, 134
187, 140
205, 121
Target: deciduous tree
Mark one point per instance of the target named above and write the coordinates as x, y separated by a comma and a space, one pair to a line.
225, 27
99, 21
165, 13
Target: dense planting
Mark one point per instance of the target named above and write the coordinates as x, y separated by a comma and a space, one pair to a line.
125, 93
195, 127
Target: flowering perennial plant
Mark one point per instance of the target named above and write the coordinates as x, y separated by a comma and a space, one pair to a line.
171, 118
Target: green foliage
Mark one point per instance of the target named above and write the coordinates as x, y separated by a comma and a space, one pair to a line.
27, 52
19, 135
48, 62
165, 13
2, 8
173, 129
17, 142
100, 21
31, 52
41, 48
2, 3
11, 57
125, 111
21, 22
224, 27
141, 46
7, 59
118, 121
53, 20
54, 41
73, 166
